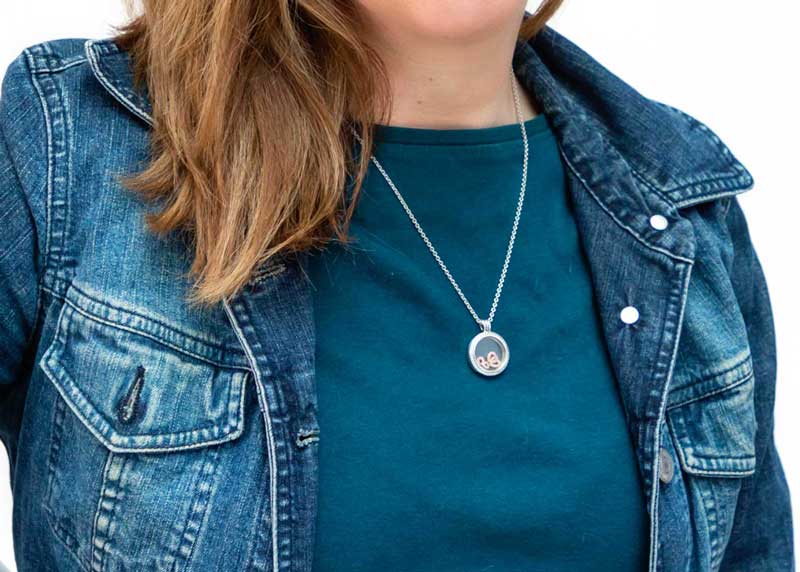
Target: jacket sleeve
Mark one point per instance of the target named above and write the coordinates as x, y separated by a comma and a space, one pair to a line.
761, 539
23, 175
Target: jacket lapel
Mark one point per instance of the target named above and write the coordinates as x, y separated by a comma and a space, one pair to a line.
272, 318
632, 263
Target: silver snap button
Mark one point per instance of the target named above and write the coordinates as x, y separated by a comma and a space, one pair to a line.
666, 466
659, 222
629, 315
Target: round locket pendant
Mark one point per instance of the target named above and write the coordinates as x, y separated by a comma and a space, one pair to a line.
488, 353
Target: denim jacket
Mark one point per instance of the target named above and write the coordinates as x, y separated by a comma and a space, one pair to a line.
148, 434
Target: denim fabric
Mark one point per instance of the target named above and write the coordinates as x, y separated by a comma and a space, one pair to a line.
147, 434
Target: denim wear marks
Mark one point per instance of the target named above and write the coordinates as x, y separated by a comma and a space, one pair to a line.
147, 434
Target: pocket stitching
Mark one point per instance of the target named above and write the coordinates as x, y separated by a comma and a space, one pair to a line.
139, 332
98, 553
717, 380
681, 443
117, 314
713, 392
83, 409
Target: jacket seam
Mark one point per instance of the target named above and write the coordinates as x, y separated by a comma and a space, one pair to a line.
662, 409
747, 377
745, 364
726, 177
65, 65
53, 264
700, 199
272, 447
108, 323
106, 46
163, 325
59, 532
694, 200
662, 194
41, 255
98, 552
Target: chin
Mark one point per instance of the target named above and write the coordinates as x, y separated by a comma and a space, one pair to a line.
445, 20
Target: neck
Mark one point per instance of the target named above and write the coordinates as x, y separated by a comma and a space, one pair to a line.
448, 86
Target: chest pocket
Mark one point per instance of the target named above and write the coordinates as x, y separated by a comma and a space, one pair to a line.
712, 424
713, 421
140, 414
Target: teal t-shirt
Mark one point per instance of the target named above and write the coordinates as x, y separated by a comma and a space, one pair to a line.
424, 464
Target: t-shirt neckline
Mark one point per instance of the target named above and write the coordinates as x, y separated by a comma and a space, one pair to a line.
469, 136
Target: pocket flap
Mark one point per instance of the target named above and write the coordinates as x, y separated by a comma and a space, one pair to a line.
714, 429
136, 394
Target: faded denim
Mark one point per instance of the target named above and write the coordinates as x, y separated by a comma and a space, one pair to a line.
145, 434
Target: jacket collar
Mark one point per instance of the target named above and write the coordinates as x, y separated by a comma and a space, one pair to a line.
112, 68
669, 152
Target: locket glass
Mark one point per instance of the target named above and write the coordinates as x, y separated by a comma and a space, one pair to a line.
488, 353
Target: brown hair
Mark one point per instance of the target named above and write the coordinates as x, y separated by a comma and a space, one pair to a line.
253, 105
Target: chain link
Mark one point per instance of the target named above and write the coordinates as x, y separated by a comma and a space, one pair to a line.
484, 324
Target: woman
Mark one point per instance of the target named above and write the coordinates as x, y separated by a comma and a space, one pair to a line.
248, 244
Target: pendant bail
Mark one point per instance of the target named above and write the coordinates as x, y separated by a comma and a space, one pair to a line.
485, 325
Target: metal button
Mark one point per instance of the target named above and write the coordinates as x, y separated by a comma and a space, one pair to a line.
629, 315
659, 222
666, 466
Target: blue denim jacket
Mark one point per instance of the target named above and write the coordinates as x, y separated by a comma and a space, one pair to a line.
146, 434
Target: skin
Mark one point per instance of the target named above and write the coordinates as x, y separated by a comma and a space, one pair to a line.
448, 61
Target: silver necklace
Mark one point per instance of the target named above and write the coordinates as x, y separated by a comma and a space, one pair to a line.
487, 352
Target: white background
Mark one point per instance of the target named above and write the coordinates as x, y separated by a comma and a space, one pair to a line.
732, 64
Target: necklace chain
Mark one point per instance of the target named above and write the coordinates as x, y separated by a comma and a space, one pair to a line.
484, 324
